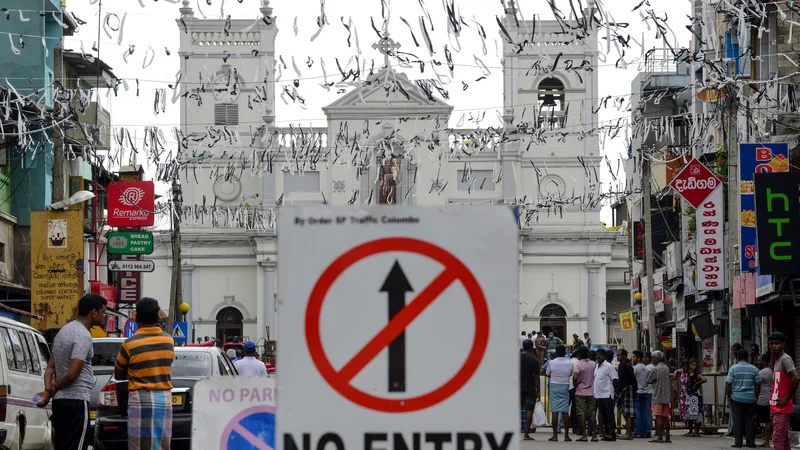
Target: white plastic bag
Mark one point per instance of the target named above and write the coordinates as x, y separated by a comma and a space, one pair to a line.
539, 417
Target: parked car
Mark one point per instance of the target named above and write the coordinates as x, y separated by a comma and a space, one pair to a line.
105, 354
24, 355
190, 364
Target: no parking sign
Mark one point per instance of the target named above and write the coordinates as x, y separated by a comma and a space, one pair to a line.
228, 415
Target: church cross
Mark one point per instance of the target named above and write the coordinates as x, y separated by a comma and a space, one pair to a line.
386, 46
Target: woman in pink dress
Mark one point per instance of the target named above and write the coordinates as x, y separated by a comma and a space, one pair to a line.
681, 375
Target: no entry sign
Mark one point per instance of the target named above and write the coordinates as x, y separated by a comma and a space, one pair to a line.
408, 336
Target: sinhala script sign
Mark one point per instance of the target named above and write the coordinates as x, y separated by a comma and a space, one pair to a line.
401, 326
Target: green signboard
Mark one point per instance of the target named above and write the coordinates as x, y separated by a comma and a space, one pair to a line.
130, 243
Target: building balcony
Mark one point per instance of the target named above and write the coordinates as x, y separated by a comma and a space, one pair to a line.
93, 127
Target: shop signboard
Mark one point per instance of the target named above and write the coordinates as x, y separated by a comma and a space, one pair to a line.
755, 158
130, 243
777, 217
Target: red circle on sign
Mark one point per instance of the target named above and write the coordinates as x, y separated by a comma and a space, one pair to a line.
454, 269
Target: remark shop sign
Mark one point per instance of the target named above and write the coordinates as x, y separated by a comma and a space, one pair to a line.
130, 243
777, 223
131, 204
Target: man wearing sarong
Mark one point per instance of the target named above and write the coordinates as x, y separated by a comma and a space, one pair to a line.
626, 399
145, 360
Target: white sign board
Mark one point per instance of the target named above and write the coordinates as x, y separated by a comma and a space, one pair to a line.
401, 323
142, 265
711, 264
233, 413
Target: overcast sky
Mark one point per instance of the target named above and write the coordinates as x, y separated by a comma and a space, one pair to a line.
153, 27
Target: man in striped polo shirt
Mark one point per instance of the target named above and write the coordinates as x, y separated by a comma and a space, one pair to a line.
742, 387
145, 360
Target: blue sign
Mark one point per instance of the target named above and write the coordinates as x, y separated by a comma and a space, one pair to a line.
765, 284
253, 429
179, 331
755, 158
131, 327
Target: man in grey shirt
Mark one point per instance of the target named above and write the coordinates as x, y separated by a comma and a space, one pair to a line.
69, 377
659, 378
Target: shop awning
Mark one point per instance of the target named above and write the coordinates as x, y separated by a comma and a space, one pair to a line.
780, 306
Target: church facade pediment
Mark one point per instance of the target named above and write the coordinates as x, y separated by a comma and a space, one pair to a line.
390, 92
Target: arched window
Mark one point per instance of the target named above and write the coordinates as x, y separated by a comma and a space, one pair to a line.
553, 311
551, 104
229, 324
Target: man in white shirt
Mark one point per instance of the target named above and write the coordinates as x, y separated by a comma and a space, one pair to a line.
604, 377
644, 395
522, 339
559, 370
250, 365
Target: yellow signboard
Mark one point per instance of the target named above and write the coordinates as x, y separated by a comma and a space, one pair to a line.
56, 257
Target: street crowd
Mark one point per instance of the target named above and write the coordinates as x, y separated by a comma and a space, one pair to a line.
144, 360
585, 387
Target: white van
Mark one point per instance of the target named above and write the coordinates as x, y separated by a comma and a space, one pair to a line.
23, 359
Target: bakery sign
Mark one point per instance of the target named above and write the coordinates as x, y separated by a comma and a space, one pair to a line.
131, 204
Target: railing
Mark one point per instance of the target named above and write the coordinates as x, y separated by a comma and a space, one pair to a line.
228, 217
715, 406
662, 62
300, 137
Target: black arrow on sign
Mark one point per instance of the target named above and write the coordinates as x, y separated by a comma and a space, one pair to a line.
396, 286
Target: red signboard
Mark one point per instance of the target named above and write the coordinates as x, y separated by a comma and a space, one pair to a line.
131, 203
129, 284
638, 240
110, 294
695, 182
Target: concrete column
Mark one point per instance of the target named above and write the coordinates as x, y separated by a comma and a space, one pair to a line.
597, 330
267, 308
509, 180
268, 187
260, 300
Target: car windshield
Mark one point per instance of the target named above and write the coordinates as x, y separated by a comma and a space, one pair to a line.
105, 353
192, 364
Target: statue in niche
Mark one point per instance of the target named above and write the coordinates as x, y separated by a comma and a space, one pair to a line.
387, 179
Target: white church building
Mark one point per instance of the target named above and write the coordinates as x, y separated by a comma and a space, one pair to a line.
375, 151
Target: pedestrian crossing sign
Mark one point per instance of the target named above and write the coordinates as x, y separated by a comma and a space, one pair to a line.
179, 331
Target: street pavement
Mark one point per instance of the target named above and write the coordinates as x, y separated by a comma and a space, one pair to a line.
706, 442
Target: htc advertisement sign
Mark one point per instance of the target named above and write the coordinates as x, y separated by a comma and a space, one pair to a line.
777, 223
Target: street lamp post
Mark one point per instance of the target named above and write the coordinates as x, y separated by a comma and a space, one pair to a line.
609, 321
